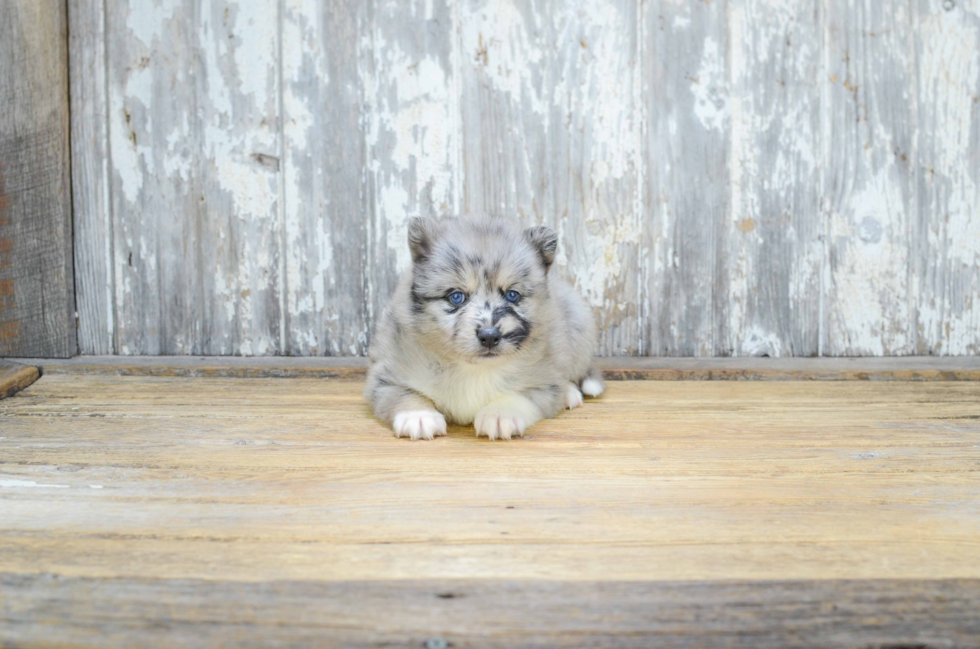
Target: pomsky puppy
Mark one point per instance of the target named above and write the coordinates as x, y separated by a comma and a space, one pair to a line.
479, 331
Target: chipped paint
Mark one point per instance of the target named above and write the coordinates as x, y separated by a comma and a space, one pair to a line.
30, 484
710, 88
949, 71
743, 177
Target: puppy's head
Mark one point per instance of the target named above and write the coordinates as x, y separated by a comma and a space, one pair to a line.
479, 287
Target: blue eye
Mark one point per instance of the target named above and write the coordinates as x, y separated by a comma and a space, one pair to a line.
513, 296
457, 297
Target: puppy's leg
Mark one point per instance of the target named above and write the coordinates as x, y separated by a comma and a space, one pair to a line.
408, 413
573, 396
592, 384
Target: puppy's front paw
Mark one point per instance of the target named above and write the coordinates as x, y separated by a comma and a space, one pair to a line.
573, 398
593, 387
497, 423
419, 424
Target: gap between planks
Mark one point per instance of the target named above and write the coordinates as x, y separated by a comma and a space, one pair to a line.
905, 368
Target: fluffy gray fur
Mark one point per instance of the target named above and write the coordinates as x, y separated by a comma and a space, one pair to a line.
427, 364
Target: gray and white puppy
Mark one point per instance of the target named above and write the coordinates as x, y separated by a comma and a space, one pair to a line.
479, 331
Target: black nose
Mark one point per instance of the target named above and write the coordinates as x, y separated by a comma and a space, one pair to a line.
489, 337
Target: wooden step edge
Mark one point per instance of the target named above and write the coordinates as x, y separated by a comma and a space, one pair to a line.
960, 368
14, 377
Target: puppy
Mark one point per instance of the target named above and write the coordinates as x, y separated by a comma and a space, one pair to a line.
480, 330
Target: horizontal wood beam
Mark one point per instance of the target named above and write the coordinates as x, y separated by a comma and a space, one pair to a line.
491, 613
908, 368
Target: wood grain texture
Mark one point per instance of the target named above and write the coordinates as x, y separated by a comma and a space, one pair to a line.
85, 611
947, 231
411, 99
687, 91
193, 123
906, 368
37, 300
742, 177
327, 310
869, 179
262, 511
90, 169
551, 128
14, 377
235, 479
775, 247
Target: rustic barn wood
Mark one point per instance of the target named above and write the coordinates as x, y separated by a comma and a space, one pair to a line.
924, 368
687, 102
869, 179
95, 270
37, 302
137, 611
945, 232
739, 177
142, 510
14, 377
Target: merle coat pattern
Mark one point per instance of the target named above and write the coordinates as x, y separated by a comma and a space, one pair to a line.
480, 330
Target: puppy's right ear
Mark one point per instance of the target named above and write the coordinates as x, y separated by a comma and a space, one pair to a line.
545, 241
421, 236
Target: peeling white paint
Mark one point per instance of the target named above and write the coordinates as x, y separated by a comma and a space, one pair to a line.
949, 73
710, 88
145, 22
411, 134
561, 90
30, 484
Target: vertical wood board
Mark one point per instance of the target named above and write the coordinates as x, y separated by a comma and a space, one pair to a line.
193, 124
947, 231
37, 302
869, 141
687, 92
552, 135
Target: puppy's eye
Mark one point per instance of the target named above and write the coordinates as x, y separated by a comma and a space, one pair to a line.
513, 296
457, 297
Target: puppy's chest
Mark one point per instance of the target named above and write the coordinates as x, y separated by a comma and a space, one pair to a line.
462, 392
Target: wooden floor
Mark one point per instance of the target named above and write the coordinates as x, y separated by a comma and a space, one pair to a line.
202, 511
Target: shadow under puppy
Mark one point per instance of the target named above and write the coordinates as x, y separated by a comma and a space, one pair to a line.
479, 331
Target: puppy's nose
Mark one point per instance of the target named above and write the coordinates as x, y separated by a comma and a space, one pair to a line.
489, 337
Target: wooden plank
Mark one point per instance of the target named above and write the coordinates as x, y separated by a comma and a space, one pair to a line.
14, 377
193, 123
326, 234
200, 511
552, 135
37, 301
776, 227
94, 276
411, 81
687, 104
922, 368
869, 178
946, 263
237, 480
452, 613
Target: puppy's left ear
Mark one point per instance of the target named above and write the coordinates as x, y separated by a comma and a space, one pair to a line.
545, 241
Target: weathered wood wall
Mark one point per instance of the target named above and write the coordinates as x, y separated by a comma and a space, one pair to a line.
37, 302
736, 177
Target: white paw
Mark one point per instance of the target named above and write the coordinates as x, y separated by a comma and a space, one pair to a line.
573, 398
593, 387
419, 424
496, 423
